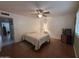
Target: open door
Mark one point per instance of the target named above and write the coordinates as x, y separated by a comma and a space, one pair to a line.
7, 34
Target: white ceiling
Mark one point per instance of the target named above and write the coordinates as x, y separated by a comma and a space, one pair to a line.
26, 7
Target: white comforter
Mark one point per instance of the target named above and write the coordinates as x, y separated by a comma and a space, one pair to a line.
37, 39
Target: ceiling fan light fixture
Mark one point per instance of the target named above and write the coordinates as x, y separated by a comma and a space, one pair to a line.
40, 15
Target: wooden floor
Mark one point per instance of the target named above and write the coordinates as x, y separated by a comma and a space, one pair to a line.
55, 49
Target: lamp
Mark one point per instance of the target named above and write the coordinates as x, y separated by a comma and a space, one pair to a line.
45, 27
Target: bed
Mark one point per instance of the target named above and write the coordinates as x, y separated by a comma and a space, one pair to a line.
37, 39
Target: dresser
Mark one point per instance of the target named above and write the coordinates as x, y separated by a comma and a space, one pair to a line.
67, 36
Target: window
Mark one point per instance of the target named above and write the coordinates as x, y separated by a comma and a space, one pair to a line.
77, 24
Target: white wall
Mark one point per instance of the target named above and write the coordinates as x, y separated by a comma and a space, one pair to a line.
23, 24
56, 24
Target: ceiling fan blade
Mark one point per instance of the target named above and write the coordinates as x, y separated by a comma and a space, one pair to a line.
44, 15
46, 12
34, 14
39, 10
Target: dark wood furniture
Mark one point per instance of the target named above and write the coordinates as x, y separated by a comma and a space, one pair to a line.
66, 36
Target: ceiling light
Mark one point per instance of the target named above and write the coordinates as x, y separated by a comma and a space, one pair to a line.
40, 15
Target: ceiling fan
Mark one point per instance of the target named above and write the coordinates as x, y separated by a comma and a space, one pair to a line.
41, 13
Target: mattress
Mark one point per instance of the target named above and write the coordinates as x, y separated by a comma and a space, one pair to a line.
37, 39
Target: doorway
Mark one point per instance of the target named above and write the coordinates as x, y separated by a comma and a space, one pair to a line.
6, 25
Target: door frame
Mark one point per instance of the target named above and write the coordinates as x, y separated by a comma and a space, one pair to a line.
10, 20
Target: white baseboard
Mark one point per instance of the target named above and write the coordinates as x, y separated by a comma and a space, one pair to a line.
75, 52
